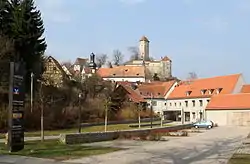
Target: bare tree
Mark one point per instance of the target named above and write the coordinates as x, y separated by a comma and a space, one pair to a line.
192, 76
117, 57
135, 55
110, 64
101, 60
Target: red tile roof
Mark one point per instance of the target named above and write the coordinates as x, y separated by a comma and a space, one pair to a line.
122, 71
133, 94
245, 88
229, 101
144, 38
155, 89
195, 87
165, 59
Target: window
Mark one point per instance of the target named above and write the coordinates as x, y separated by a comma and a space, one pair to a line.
218, 90
186, 102
208, 101
188, 93
54, 68
175, 104
193, 113
193, 103
159, 94
180, 103
187, 116
165, 104
210, 91
170, 104
203, 91
50, 60
154, 103
201, 102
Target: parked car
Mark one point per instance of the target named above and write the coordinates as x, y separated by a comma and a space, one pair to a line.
204, 124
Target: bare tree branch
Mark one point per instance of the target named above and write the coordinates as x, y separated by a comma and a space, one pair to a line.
117, 57
192, 76
134, 53
101, 60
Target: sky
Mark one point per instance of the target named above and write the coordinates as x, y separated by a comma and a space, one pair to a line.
208, 37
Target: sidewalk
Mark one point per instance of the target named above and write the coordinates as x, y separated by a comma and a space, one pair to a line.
35, 138
25, 160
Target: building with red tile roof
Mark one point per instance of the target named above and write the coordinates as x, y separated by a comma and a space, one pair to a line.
123, 73
229, 109
189, 99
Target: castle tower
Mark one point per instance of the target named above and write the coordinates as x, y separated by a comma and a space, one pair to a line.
144, 48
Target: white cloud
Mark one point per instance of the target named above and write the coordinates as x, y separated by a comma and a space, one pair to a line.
54, 10
132, 2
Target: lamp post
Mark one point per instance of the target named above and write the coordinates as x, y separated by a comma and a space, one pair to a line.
42, 110
80, 113
151, 111
31, 91
139, 115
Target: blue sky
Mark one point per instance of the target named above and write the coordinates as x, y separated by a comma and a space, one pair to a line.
209, 37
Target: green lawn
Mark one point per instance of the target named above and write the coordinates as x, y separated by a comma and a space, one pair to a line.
52, 149
84, 129
240, 159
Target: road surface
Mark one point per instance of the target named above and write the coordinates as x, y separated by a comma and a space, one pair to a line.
214, 146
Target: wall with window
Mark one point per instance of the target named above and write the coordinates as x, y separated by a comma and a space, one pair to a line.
193, 109
158, 105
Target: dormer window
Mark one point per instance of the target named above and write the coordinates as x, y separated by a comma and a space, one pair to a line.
218, 90
126, 70
159, 94
137, 74
210, 91
203, 91
188, 93
114, 74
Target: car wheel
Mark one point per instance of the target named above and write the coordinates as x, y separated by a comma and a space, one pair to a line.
196, 127
209, 127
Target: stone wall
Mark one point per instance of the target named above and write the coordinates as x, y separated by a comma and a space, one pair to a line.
112, 135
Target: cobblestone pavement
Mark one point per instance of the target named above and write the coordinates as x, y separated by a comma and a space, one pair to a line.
244, 148
214, 146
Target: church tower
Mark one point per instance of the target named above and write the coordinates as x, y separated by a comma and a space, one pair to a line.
144, 48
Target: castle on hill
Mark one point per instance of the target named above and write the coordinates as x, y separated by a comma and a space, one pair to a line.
140, 70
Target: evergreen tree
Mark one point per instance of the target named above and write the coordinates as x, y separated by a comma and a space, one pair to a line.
26, 30
4, 16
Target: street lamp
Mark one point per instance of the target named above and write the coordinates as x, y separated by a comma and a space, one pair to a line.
31, 91
42, 109
80, 113
151, 110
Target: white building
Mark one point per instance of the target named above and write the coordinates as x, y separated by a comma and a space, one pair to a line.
155, 93
230, 109
190, 98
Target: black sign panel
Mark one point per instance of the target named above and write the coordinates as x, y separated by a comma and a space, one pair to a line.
16, 102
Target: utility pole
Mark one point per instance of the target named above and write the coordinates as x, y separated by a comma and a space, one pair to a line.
31, 91
42, 110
